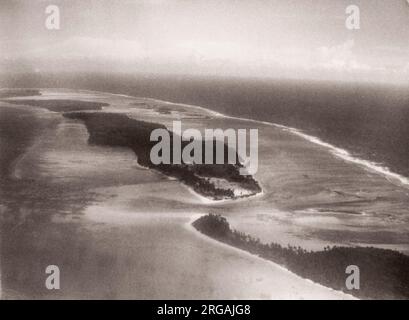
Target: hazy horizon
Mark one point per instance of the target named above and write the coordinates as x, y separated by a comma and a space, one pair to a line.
274, 39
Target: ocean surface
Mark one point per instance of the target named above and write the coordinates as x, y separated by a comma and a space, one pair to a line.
369, 121
120, 231
333, 166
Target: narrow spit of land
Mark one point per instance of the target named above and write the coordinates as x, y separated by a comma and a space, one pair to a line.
9, 93
60, 105
384, 274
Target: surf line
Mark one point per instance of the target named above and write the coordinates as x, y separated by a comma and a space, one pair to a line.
338, 152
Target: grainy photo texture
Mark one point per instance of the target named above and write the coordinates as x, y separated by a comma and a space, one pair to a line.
205, 150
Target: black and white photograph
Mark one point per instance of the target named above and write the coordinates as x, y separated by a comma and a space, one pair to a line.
204, 150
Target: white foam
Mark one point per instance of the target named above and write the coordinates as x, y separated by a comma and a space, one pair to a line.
338, 152
345, 155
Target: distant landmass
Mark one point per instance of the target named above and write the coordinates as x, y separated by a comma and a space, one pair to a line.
60, 105
8, 93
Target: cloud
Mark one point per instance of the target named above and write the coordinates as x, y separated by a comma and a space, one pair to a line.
211, 50
198, 57
340, 58
88, 47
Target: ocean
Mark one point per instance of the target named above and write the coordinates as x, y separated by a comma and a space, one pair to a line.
118, 230
369, 121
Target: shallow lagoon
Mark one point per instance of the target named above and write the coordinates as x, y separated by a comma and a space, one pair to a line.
121, 231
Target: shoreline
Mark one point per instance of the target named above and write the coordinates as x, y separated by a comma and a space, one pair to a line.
336, 151
203, 198
326, 267
208, 201
343, 154
221, 202
134, 134
189, 226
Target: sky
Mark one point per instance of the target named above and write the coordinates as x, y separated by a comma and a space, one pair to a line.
257, 38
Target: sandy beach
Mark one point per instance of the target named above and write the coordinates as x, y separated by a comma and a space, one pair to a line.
125, 230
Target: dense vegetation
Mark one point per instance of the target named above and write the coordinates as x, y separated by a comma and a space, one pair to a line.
61, 105
120, 130
384, 274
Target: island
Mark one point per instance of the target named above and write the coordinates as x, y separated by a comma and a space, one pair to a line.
213, 181
384, 273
